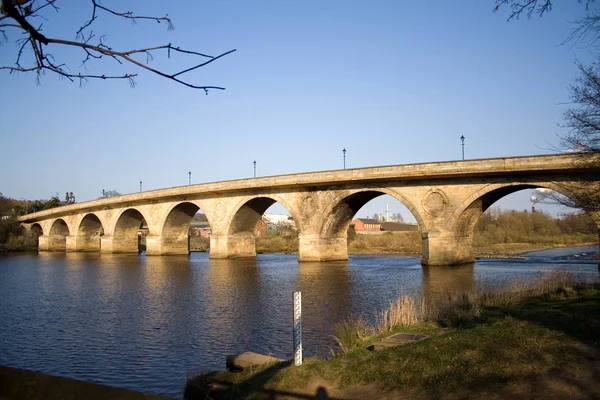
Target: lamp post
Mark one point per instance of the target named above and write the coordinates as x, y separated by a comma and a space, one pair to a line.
462, 139
140, 186
344, 152
254, 168
190, 178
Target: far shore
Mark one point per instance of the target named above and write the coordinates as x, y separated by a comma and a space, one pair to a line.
500, 250
276, 246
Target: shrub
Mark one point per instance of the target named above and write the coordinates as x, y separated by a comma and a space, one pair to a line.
350, 333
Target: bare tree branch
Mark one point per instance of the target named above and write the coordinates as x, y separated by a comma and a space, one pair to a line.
582, 119
20, 11
529, 7
128, 15
525, 7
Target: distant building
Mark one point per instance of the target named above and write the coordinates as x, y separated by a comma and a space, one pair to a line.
275, 224
261, 228
269, 224
199, 226
366, 225
399, 227
200, 231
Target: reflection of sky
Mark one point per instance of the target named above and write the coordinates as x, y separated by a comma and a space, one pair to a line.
143, 322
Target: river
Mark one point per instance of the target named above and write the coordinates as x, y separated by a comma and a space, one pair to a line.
143, 323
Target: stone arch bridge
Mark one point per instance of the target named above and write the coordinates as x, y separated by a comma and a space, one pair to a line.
446, 198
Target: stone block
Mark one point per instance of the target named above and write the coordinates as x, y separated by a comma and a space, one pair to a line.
249, 359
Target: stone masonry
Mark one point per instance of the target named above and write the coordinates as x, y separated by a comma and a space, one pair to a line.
446, 199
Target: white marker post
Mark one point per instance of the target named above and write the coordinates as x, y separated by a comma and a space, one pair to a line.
298, 328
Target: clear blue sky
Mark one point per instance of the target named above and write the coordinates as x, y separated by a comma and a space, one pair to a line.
393, 82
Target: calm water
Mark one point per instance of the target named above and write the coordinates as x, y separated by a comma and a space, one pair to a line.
144, 322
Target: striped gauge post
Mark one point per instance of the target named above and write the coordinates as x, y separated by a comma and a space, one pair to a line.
298, 328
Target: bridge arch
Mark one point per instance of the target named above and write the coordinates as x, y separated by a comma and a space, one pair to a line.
340, 211
89, 232
175, 228
36, 229
329, 241
126, 237
57, 237
465, 217
241, 240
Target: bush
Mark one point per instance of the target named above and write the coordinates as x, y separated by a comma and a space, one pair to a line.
350, 333
14, 238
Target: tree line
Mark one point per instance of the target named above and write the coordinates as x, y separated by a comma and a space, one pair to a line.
512, 226
12, 235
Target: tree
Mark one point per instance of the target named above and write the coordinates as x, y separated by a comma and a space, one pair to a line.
69, 198
582, 119
583, 124
397, 217
378, 217
22, 21
109, 193
52, 203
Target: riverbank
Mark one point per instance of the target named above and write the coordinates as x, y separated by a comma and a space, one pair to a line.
512, 250
500, 346
405, 243
17, 384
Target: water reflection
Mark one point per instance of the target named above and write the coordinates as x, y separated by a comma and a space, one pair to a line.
143, 322
326, 298
234, 302
443, 281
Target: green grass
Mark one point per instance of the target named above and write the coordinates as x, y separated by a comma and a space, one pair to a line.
516, 347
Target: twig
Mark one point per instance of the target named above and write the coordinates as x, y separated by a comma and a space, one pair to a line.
43, 61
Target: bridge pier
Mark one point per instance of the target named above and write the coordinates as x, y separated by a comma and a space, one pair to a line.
439, 249
240, 245
167, 245
316, 248
119, 244
83, 243
43, 243
57, 243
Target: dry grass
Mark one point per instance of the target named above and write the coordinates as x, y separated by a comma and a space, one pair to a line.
404, 311
351, 333
452, 309
398, 242
277, 244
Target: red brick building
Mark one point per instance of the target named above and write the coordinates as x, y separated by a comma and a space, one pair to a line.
362, 225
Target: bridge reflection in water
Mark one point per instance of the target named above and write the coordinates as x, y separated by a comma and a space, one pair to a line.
439, 282
144, 322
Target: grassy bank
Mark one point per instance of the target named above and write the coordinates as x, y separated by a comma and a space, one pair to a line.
387, 243
533, 339
409, 243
